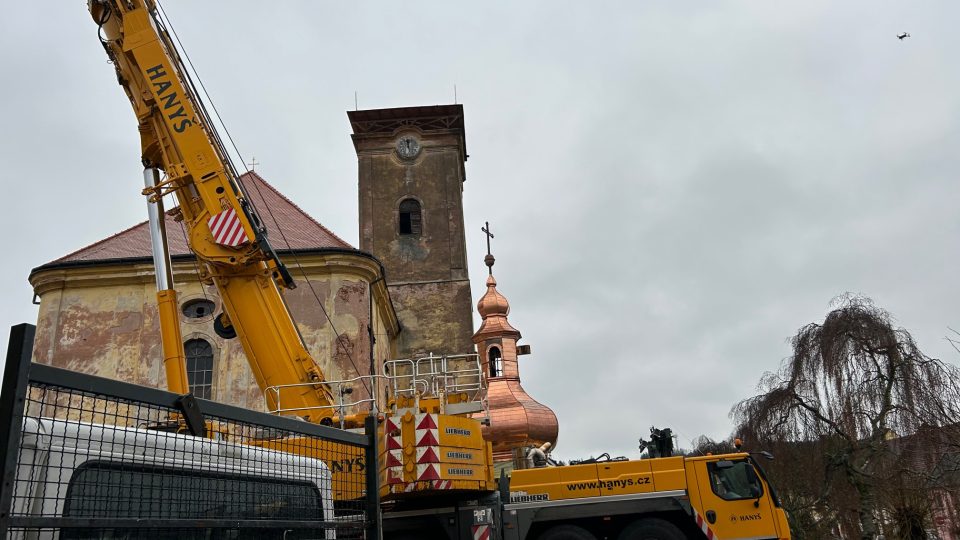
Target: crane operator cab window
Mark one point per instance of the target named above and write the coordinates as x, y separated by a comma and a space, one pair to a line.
734, 480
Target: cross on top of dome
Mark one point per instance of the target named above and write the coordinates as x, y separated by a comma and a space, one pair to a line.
488, 260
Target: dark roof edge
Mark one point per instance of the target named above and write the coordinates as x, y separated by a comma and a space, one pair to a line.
137, 260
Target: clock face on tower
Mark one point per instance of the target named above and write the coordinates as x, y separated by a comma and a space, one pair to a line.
408, 147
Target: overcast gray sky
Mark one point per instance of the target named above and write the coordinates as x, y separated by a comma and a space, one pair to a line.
675, 187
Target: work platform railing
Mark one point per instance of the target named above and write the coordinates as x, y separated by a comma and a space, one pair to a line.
440, 377
456, 381
87, 457
339, 388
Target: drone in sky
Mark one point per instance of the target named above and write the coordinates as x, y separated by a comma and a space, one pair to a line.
903, 35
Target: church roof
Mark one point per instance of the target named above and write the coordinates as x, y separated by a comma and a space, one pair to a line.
289, 227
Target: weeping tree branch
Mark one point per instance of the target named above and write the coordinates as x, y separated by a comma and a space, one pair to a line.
853, 386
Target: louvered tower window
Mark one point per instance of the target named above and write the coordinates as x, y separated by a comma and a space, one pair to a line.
410, 217
199, 367
496, 362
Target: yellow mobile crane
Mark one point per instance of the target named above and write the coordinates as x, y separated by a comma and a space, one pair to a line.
234, 253
225, 233
666, 498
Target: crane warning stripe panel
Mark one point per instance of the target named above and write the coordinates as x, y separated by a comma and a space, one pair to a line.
450, 454
394, 475
395, 458
428, 437
427, 486
227, 229
428, 454
450, 471
447, 430
394, 442
426, 421
481, 532
702, 523
433, 485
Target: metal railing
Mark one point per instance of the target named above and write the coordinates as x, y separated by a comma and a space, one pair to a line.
339, 388
86, 457
436, 375
446, 379
414, 378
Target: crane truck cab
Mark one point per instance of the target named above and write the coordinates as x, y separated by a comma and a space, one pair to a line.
666, 498
73, 469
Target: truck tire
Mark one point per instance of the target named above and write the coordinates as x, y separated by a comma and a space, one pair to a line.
651, 529
566, 532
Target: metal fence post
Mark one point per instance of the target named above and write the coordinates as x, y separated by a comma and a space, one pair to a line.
12, 398
374, 520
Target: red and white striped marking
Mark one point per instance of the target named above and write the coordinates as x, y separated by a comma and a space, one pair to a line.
426, 421
227, 229
428, 437
393, 435
394, 454
394, 458
394, 443
481, 532
394, 475
427, 433
436, 484
702, 523
428, 454
427, 472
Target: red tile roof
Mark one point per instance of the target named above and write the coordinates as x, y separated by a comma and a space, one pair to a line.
289, 228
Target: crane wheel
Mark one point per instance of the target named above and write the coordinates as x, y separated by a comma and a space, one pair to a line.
651, 529
566, 532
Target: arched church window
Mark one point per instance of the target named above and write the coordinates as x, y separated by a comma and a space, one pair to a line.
199, 367
410, 217
496, 362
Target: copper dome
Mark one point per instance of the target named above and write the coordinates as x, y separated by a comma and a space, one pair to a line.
516, 419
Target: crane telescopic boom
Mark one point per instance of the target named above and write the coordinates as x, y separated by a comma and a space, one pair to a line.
223, 229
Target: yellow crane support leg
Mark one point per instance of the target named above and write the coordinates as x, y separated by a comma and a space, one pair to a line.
174, 358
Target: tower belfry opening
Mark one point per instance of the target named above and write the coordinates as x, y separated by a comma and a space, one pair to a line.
495, 360
410, 217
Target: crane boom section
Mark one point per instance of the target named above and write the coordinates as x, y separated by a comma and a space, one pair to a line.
224, 231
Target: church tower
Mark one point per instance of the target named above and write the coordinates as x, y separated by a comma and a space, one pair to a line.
411, 174
516, 419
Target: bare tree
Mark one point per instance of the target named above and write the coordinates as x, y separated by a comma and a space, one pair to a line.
853, 384
704, 445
